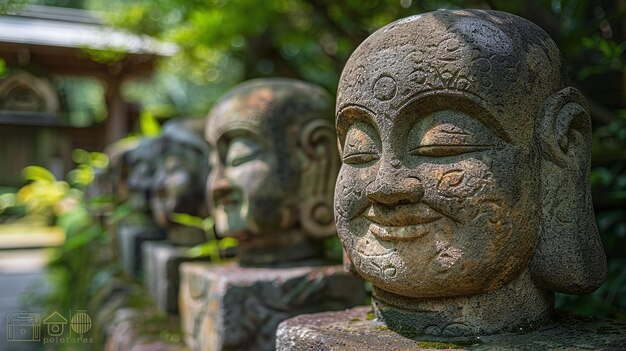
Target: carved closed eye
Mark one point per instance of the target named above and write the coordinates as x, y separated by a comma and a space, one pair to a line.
361, 146
445, 150
242, 150
449, 133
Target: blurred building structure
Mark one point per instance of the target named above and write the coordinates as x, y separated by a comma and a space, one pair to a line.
61, 87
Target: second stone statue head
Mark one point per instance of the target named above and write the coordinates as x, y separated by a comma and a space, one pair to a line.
274, 167
181, 171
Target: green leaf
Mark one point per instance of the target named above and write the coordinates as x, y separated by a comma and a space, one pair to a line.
149, 125
227, 243
187, 220
37, 173
3, 68
207, 224
207, 249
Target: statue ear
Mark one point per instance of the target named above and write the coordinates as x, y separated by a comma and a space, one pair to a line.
318, 176
569, 257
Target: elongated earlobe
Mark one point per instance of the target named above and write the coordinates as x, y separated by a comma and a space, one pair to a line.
569, 257
319, 173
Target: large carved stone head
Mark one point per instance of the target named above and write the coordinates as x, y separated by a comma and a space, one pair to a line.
466, 160
182, 169
274, 165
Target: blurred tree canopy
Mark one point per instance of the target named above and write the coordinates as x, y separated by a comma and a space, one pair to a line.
223, 42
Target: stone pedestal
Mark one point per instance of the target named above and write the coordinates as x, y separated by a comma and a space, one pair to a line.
160, 272
143, 330
129, 240
357, 330
227, 307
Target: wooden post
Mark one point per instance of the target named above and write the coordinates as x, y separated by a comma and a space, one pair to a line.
116, 126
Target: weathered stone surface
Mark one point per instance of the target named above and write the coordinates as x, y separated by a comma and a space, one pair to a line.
226, 307
119, 168
134, 170
357, 330
464, 194
272, 178
182, 168
143, 330
141, 170
160, 272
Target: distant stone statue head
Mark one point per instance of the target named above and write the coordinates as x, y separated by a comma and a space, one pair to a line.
274, 164
182, 168
141, 169
119, 168
464, 192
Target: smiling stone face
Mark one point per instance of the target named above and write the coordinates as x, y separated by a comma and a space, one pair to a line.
437, 204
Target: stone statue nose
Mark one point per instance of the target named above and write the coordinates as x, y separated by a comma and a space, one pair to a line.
159, 181
386, 191
220, 186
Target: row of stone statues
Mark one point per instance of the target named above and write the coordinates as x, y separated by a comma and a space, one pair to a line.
460, 191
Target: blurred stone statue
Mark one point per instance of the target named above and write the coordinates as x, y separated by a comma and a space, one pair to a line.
142, 162
274, 167
180, 179
119, 168
137, 225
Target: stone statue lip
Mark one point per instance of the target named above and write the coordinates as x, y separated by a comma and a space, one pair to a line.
227, 198
400, 222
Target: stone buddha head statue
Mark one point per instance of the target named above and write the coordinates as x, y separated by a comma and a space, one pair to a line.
274, 164
119, 168
141, 162
179, 182
463, 194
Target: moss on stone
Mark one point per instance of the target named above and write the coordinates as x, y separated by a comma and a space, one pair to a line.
438, 345
448, 345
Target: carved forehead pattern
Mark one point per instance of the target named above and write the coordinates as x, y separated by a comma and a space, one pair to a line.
261, 104
491, 57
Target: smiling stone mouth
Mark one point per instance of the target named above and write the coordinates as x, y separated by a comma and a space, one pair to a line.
401, 222
403, 215
405, 233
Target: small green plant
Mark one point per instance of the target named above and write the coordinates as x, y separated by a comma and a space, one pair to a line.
213, 247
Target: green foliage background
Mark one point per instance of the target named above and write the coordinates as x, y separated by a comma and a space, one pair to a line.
223, 42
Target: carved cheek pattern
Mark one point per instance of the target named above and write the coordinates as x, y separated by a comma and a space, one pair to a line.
384, 267
461, 184
350, 198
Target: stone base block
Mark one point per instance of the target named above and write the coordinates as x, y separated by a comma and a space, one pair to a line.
129, 240
356, 330
227, 307
143, 330
160, 272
